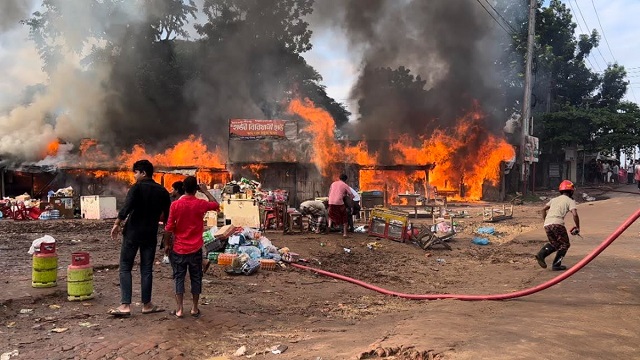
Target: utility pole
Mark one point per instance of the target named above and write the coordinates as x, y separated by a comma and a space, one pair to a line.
526, 103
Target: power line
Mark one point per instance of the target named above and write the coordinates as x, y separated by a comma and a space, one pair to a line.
582, 31
494, 19
502, 17
587, 25
602, 29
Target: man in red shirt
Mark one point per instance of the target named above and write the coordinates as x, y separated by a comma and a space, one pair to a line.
337, 209
186, 222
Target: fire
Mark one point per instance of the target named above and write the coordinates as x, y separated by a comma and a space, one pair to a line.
326, 150
255, 169
52, 148
191, 152
465, 157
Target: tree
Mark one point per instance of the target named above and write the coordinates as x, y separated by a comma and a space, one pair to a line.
268, 21
252, 48
613, 87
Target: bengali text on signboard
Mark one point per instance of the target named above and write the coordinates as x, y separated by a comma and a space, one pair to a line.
256, 129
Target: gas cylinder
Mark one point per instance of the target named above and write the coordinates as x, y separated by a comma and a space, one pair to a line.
45, 266
80, 277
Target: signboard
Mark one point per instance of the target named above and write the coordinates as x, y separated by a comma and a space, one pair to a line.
531, 149
248, 129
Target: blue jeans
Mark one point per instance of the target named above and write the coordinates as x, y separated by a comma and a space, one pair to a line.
128, 253
183, 262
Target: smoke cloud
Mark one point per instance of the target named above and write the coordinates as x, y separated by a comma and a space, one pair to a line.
452, 45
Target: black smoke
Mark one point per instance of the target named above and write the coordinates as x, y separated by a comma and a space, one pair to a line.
446, 52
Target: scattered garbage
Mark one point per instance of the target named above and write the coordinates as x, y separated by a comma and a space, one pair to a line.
59, 330
279, 349
87, 324
486, 230
8, 355
586, 197
441, 261
361, 229
26, 311
242, 350
480, 241
374, 245
165, 259
347, 250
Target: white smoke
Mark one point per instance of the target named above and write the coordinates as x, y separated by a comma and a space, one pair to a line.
70, 106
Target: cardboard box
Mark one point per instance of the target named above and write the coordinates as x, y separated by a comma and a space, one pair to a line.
98, 207
224, 232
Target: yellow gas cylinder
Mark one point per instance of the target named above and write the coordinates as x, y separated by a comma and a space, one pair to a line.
45, 266
80, 277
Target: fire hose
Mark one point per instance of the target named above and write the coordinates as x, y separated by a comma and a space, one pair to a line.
506, 296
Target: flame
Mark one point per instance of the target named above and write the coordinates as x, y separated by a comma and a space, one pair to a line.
465, 157
326, 151
255, 169
191, 152
52, 148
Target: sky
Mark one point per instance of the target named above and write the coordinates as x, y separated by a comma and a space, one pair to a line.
618, 18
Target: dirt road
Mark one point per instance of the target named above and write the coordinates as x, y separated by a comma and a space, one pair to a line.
593, 314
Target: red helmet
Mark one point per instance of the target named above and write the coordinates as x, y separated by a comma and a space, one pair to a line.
567, 185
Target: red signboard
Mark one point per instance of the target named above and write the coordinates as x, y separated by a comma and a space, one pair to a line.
255, 129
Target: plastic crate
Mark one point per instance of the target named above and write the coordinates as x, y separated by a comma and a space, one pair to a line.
267, 264
226, 259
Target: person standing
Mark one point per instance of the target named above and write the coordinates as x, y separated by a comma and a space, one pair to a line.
554, 213
186, 222
615, 170
636, 172
630, 172
338, 191
354, 209
147, 203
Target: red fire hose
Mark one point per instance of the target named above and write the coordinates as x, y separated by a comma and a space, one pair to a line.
512, 295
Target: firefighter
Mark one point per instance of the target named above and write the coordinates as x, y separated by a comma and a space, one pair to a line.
554, 213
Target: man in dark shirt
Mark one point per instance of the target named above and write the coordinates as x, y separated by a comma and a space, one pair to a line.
146, 204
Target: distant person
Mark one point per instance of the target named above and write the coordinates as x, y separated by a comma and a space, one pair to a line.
630, 172
354, 208
616, 172
554, 213
317, 213
146, 204
338, 192
186, 222
636, 172
177, 190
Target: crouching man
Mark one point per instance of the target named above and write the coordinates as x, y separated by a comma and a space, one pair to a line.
317, 215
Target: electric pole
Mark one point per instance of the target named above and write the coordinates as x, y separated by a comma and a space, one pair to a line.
526, 103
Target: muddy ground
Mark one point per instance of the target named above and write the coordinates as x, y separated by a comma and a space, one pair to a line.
594, 314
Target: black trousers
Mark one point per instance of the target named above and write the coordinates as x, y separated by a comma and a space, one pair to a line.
128, 253
181, 263
355, 210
